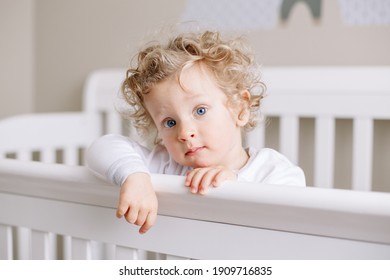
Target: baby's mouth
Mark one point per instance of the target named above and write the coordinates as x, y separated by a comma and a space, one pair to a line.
193, 151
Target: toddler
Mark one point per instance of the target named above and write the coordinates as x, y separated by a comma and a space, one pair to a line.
199, 93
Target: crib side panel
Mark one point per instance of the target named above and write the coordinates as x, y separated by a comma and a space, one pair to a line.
48, 138
42, 137
169, 238
69, 201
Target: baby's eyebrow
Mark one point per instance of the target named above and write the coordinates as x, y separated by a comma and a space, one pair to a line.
157, 114
199, 98
160, 115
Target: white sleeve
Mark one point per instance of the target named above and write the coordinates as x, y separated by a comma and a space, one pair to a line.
115, 157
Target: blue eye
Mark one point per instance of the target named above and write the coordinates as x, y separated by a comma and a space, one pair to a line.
201, 111
169, 123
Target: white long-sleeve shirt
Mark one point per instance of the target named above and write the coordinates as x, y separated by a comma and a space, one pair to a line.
115, 157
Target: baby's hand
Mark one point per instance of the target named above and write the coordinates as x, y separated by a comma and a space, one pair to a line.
138, 201
200, 179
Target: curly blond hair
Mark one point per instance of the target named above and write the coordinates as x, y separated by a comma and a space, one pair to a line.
230, 61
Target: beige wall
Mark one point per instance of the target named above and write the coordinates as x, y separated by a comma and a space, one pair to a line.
304, 41
16, 57
75, 37
54, 44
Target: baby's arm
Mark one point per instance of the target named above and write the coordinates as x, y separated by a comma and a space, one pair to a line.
122, 162
200, 179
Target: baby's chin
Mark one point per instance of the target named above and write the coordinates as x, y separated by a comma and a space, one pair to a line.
201, 165
198, 162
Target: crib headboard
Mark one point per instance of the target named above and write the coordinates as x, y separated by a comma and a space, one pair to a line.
322, 95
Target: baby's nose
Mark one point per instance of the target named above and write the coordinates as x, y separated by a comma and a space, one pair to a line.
186, 134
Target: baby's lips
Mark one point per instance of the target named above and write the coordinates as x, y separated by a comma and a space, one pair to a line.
193, 151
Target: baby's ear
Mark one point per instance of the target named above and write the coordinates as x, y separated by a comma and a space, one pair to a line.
244, 112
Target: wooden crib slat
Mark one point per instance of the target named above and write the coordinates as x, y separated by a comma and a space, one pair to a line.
289, 136
324, 152
6, 241
40, 245
362, 154
81, 249
23, 241
66, 247
255, 138
109, 251
125, 253
48, 155
24, 155
71, 156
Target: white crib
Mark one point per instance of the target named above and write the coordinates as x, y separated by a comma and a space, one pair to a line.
51, 207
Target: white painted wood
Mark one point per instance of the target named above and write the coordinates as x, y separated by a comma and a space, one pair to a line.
52, 253
26, 133
338, 103
357, 223
124, 253
40, 245
289, 137
48, 155
315, 91
81, 249
327, 78
71, 156
6, 242
362, 154
24, 154
324, 152
258, 243
101, 89
67, 247
109, 252
78, 185
23, 240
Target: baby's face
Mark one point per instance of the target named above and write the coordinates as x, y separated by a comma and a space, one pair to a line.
194, 121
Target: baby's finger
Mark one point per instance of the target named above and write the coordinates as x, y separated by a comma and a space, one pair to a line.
207, 180
190, 174
222, 176
142, 215
149, 222
196, 178
121, 209
131, 215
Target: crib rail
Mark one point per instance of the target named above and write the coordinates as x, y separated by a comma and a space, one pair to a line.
46, 134
236, 221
